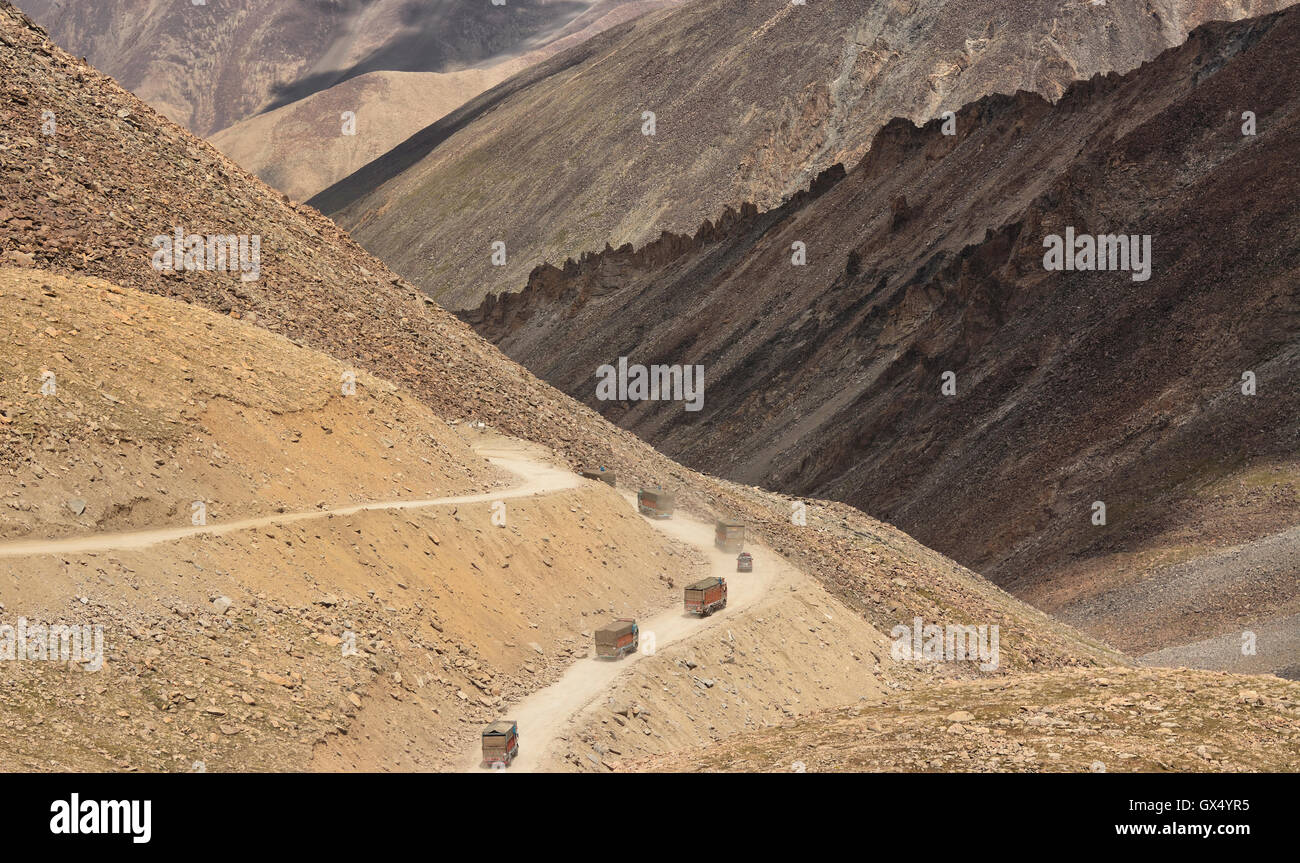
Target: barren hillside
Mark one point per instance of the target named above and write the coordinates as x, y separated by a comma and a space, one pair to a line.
299, 148
751, 100
1066, 721
208, 66
224, 637
225, 641
118, 174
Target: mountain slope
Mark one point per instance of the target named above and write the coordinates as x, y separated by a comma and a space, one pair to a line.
751, 100
117, 174
1064, 721
1070, 387
226, 643
223, 642
298, 148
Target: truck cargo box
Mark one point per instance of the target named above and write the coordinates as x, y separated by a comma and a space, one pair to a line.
706, 596
500, 743
656, 503
617, 638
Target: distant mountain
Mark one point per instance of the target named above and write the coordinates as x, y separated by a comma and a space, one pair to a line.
210, 66
300, 148
751, 99
1165, 391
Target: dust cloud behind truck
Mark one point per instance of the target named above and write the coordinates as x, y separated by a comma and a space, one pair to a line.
729, 536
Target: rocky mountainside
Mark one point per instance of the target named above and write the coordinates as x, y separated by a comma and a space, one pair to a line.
88, 199
750, 99
1170, 399
226, 645
288, 630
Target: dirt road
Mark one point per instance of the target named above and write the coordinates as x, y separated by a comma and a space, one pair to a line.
536, 477
547, 713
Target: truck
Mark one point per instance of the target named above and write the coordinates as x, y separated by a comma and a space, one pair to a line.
729, 536
745, 562
600, 474
706, 596
500, 743
617, 639
656, 503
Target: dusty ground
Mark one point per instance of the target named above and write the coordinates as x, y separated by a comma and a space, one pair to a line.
224, 642
154, 407
1104, 720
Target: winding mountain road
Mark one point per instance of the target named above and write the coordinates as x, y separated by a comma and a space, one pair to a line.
536, 478
545, 715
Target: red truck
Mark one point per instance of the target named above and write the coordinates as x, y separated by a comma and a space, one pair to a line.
500, 743
745, 562
706, 596
617, 639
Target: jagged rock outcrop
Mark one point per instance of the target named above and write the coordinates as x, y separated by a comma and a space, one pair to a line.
1070, 387
750, 100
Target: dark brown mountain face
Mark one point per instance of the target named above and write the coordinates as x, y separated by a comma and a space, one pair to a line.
751, 100
1070, 387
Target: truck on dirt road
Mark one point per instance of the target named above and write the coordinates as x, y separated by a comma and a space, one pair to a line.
617, 639
706, 596
500, 743
745, 562
600, 474
729, 536
656, 503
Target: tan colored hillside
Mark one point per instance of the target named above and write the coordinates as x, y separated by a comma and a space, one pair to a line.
208, 66
225, 646
1059, 722
300, 149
